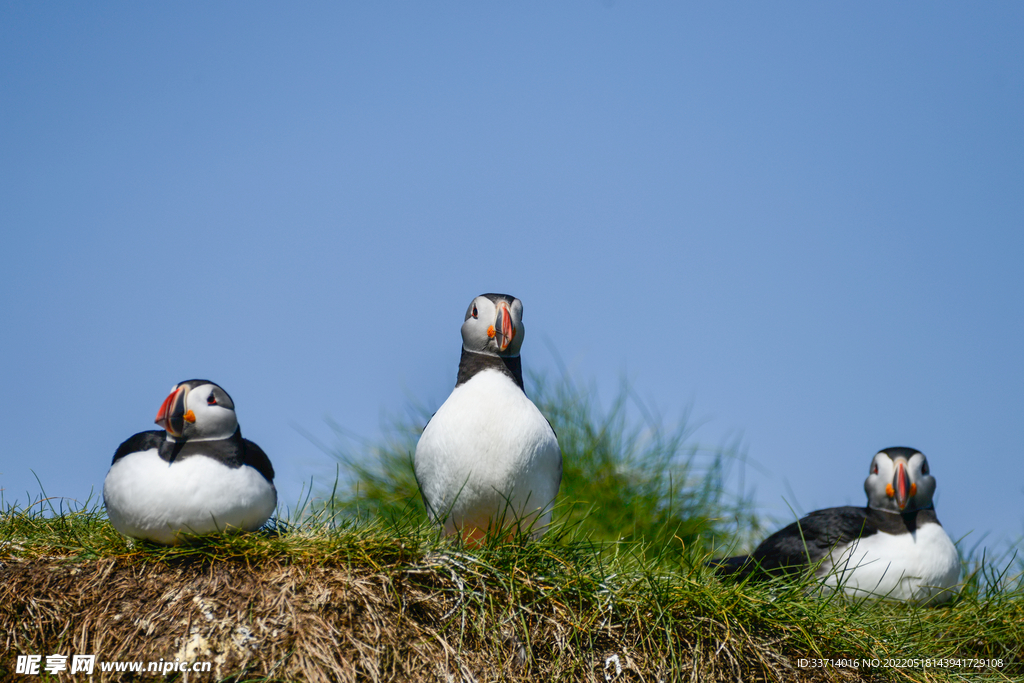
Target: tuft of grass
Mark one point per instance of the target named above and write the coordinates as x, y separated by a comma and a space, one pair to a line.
626, 479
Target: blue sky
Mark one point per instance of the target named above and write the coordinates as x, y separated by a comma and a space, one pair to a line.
802, 220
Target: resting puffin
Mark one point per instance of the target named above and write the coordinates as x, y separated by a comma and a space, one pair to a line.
894, 548
488, 458
197, 477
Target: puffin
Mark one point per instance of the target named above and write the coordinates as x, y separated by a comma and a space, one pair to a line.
893, 549
196, 476
488, 459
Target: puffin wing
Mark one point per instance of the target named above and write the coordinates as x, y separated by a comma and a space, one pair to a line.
254, 456
143, 441
801, 544
813, 537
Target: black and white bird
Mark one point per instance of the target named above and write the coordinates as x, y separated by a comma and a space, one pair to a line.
488, 459
199, 476
894, 548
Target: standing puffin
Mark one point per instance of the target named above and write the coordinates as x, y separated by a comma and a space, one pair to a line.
894, 548
197, 477
488, 459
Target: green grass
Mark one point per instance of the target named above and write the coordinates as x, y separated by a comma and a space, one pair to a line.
361, 587
550, 610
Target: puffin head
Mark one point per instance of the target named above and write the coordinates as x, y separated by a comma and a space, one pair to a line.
900, 481
494, 325
198, 410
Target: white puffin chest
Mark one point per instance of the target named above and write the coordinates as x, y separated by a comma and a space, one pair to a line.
922, 566
487, 449
147, 497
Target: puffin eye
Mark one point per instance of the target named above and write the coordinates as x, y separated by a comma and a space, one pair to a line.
924, 468
874, 468
474, 311
211, 399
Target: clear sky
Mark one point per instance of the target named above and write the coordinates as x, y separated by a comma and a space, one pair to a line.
804, 220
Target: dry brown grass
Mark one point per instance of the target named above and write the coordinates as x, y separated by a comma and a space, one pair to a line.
441, 617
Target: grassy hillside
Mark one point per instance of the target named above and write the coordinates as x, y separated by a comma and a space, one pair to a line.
360, 588
371, 602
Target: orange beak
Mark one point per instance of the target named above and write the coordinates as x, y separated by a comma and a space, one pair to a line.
172, 415
901, 489
504, 328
